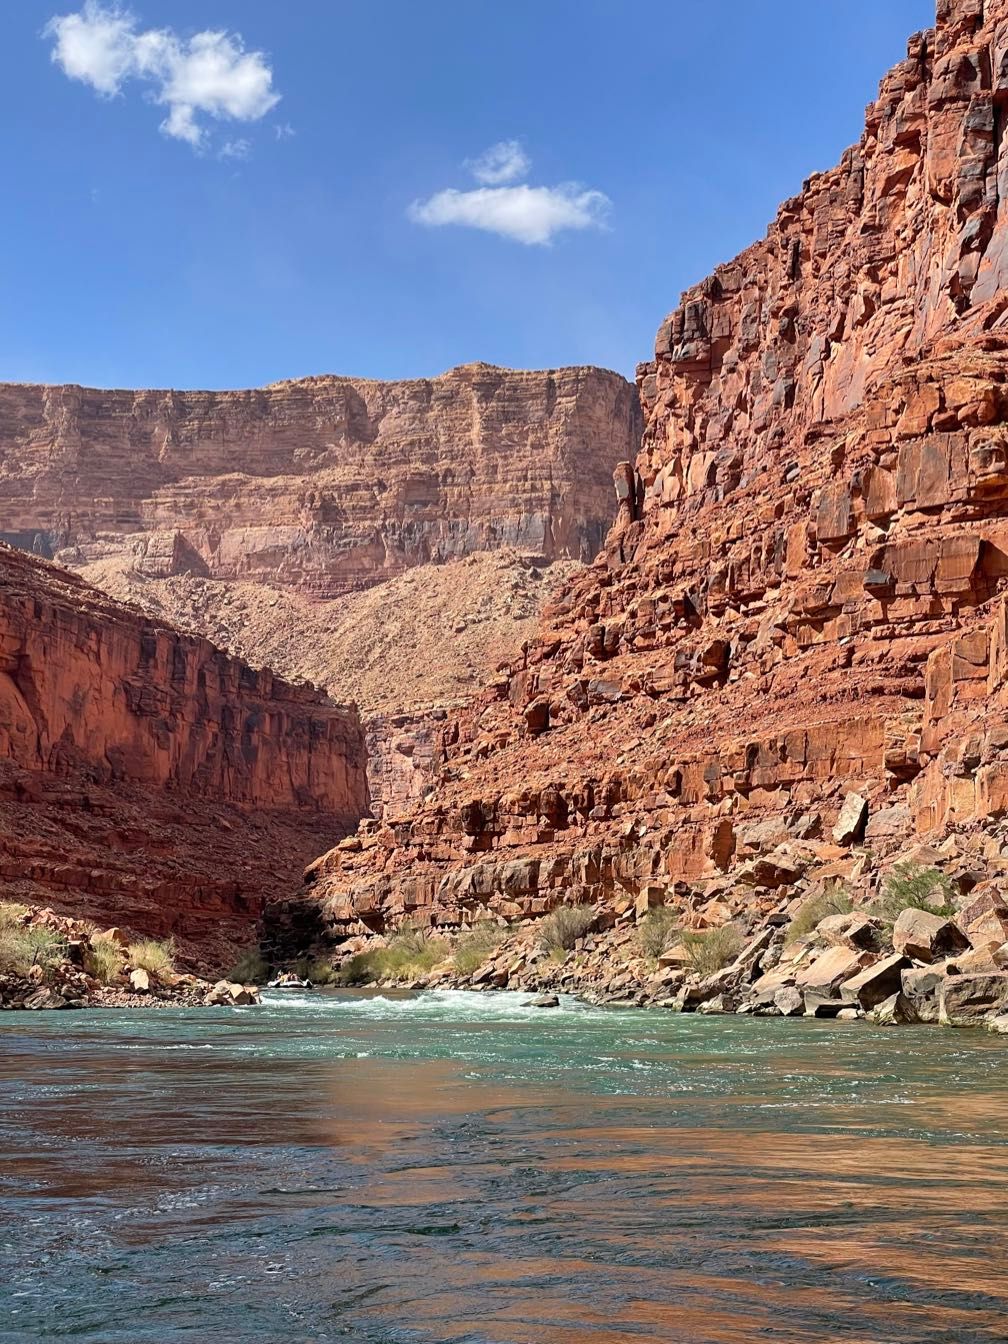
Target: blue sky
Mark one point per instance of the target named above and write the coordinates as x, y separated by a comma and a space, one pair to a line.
167, 222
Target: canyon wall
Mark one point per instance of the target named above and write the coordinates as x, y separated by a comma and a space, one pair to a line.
800, 611
148, 778
323, 484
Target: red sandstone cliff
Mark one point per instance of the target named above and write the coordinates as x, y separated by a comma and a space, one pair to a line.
148, 778
804, 591
324, 484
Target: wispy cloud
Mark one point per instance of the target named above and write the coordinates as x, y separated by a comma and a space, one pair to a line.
523, 213
503, 162
235, 149
284, 131
209, 75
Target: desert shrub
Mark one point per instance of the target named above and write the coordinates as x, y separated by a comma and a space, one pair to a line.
24, 947
408, 955
475, 945
251, 968
909, 887
835, 900
103, 961
560, 930
151, 956
708, 950
657, 931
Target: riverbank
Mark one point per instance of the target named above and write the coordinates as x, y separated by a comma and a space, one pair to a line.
918, 950
52, 962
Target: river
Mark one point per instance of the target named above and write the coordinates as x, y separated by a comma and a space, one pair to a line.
419, 1169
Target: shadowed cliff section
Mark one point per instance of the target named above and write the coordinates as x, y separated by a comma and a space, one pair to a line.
803, 595
146, 777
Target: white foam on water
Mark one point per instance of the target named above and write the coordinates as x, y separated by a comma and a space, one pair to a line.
438, 1004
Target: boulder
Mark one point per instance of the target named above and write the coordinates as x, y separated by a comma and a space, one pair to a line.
853, 930
818, 1004
983, 917
851, 821
875, 983
111, 936
965, 1000
921, 985
789, 1001
544, 1001
924, 936
895, 1011
227, 993
831, 969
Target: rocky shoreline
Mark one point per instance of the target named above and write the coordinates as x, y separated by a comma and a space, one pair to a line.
52, 962
923, 942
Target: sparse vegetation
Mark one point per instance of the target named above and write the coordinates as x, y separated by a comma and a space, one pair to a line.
149, 955
475, 945
11, 914
560, 930
657, 931
103, 961
909, 887
251, 968
407, 956
708, 950
834, 900
22, 947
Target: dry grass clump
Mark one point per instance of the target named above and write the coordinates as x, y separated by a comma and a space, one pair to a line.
151, 956
475, 945
12, 915
657, 931
708, 950
407, 956
909, 887
560, 930
316, 969
103, 961
834, 900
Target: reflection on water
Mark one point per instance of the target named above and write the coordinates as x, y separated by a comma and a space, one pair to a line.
456, 1167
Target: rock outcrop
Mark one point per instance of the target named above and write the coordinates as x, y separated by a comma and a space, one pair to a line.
803, 596
323, 484
146, 777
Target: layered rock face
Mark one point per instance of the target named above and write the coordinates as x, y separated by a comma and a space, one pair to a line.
145, 776
323, 484
803, 594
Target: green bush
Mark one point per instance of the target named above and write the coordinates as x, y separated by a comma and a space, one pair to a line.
408, 955
103, 961
149, 955
657, 931
475, 945
909, 887
251, 968
24, 947
708, 950
835, 900
560, 930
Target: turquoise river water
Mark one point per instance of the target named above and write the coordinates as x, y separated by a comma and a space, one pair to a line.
419, 1169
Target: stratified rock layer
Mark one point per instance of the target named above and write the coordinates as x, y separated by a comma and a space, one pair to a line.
802, 596
324, 484
146, 777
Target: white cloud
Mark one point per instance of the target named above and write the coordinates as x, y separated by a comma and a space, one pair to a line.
235, 149
211, 74
531, 215
284, 131
503, 162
